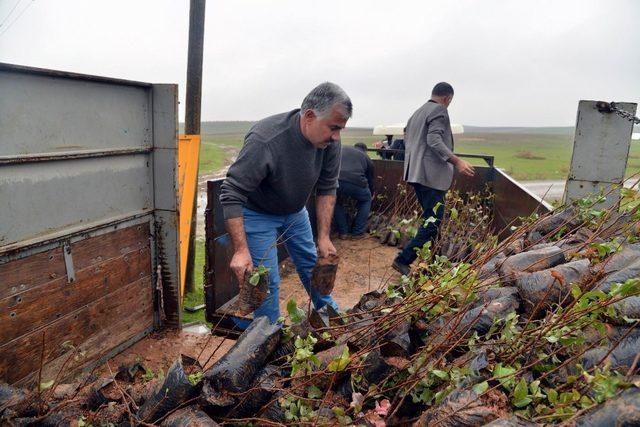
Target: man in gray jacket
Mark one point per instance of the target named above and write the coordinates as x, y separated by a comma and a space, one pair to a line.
284, 158
428, 166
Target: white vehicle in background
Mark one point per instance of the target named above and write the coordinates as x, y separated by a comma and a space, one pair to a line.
389, 131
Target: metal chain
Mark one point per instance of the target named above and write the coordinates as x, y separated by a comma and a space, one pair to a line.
610, 107
624, 114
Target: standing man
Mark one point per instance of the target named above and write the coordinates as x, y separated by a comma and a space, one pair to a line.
356, 182
284, 158
428, 166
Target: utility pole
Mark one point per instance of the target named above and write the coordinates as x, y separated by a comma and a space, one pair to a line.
193, 103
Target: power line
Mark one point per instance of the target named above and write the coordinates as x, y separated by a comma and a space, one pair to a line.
7, 17
16, 18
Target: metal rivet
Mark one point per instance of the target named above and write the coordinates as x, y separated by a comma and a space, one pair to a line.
19, 300
50, 257
22, 286
12, 314
13, 289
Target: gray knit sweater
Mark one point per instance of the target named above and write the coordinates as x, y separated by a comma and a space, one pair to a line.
278, 168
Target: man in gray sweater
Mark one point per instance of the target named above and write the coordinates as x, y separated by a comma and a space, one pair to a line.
284, 158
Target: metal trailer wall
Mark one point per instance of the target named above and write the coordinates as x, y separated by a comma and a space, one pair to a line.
87, 215
511, 200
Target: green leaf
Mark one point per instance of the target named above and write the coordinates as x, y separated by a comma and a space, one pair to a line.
254, 279
453, 213
430, 220
339, 364
46, 385
195, 378
314, 392
436, 207
481, 387
440, 374
295, 314
339, 412
522, 403
521, 391
552, 395
575, 291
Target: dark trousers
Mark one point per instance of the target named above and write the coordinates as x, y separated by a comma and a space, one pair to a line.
428, 199
362, 196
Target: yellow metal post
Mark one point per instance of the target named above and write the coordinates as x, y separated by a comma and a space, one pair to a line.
188, 158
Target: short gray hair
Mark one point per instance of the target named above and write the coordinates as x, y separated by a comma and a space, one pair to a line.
323, 97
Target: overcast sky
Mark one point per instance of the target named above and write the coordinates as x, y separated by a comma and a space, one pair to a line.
512, 63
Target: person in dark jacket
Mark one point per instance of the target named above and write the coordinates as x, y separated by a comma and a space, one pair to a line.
397, 144
355, 182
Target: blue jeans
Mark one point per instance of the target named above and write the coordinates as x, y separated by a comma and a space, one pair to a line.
362, 195
428, 199
295, 231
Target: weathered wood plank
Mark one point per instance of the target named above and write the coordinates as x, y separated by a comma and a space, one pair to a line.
23, 274
27, 273
131, 325
31, 310
96, 249
99, 319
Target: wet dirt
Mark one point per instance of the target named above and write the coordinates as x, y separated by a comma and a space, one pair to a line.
160, 350
365, 265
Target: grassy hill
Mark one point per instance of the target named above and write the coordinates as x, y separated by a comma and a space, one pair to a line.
567, 130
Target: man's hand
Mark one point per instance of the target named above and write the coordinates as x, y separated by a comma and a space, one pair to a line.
378, 144
241, 262
326, 248
463, 167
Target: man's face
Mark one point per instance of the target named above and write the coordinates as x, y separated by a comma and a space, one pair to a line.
322, 132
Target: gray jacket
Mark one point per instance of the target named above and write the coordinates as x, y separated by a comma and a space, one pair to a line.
428, 146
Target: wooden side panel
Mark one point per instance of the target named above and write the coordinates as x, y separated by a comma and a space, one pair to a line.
94, 329
110, 302
45, 304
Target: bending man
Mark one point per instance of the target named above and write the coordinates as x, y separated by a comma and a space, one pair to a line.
428, 166
283, 159
356, 182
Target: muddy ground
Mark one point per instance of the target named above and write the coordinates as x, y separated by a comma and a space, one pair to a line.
159, 350
365, 265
